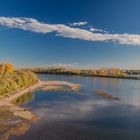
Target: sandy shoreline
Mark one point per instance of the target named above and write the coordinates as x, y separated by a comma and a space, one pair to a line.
16, 110
45, 85
5, 101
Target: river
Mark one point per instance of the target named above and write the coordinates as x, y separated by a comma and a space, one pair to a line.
84, 115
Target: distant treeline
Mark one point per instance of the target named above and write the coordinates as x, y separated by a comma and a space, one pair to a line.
11, 79
114, 72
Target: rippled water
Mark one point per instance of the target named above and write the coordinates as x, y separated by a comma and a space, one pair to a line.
84, 115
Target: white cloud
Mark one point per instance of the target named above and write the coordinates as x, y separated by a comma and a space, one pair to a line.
78, 23
92, 29
62, 30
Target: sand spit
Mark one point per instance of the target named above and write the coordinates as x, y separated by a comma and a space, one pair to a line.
106, 95
59, 86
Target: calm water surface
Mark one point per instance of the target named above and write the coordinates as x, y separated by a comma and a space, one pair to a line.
84, 115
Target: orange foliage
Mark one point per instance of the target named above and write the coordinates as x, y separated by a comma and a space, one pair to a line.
6, 68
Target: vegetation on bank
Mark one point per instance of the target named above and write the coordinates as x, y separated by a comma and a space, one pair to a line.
114, 72
12, 80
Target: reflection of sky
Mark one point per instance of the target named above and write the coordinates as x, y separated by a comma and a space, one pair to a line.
86, 105
100, 113
85, 115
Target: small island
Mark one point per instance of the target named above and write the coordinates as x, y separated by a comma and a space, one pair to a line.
106, 95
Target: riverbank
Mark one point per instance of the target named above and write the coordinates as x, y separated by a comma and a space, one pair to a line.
120, 77
15, 120
16, 110
40, 85
11, 96
100, 72
89, 75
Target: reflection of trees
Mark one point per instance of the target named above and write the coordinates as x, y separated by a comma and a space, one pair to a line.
113, 82
24, 98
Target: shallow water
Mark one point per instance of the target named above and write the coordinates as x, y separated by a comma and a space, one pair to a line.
84, 115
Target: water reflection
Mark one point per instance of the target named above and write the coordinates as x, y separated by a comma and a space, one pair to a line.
110, 82
25, 98
72, 116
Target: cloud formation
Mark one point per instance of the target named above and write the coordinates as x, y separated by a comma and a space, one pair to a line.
78, 23
62, 30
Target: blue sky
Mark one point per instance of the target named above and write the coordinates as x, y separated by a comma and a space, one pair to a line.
93, 33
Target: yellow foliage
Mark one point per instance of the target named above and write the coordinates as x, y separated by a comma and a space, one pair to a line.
9, 68
6, 68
